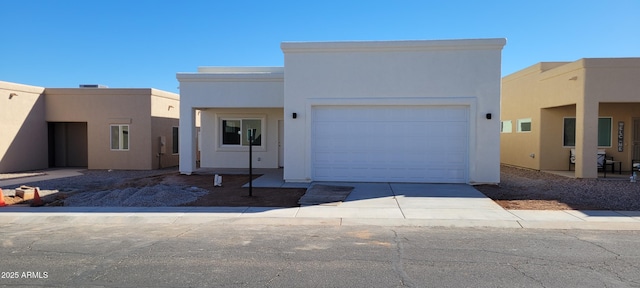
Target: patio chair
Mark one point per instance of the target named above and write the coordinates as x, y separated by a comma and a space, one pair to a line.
635, 165
572, 158
602, 160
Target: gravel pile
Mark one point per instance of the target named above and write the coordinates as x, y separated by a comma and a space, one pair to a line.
103, 188
602, 194
148, 196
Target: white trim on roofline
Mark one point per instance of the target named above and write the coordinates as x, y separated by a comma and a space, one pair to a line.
232, 77
240, 70
407, 45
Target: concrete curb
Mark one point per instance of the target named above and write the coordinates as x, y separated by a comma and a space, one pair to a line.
247, 216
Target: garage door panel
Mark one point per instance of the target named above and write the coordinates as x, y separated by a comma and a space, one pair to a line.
454, 129
397, 144
456, 158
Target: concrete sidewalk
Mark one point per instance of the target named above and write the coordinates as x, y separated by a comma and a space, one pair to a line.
384, 204
317, 215
13, 179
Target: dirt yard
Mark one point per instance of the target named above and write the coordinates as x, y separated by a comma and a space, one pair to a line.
519, 189
230, 194
526, 189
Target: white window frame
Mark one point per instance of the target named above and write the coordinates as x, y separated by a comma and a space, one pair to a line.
503, 127
239, 147
598, 130
519, 125
120, 137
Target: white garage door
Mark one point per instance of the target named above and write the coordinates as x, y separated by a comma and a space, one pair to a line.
390, 143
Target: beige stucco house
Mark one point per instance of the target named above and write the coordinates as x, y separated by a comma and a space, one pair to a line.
589, 105
96, 128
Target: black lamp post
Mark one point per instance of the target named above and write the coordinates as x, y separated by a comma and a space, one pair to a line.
251, 133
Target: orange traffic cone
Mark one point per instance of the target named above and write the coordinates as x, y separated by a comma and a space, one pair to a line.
37, 202
2, 204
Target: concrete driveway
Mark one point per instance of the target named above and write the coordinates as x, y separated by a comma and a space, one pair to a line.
410, 201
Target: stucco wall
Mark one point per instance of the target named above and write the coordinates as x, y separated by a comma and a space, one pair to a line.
222, 87
458, 72
216, 156
518, 98
100, 108
548, 92
24, 141
226, 89
612, 80
524, 94
23, 129
554, 155
621, 113
165, 114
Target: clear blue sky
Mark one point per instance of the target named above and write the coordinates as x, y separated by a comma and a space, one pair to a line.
135, 43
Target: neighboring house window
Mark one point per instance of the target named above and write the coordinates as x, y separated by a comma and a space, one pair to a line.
524, 125
505, 126
234, 131
569, 138
119, 137
604, 132
175, 149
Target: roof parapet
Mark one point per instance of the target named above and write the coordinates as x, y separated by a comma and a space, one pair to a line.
394, 45
240, 70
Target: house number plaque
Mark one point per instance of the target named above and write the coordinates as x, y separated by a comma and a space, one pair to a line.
620, 136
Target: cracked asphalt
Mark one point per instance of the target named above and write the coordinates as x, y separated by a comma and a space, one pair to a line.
164, 255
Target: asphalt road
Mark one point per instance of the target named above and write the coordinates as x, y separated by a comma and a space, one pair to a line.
166, 255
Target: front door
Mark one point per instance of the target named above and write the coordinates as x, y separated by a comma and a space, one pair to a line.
636, 139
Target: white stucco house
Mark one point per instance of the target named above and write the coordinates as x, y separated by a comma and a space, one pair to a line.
380, 111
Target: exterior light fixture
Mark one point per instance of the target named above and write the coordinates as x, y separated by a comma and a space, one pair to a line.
488, 116
294, 115
169, 108
12, 95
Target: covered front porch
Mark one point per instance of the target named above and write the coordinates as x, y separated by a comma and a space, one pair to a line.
226, 102
574, 137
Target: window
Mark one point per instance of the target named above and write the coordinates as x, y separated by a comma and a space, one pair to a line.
505, 126
174, 148
569, 138
604, 132
233, 131
119, 137
524, 125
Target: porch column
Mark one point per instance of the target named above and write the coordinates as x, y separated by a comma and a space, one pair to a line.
587, 139
187, 139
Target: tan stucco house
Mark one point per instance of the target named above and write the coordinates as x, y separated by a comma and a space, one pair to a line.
590, 106
379, 111
93, 127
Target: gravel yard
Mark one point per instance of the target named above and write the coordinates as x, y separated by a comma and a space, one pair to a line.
530, 189
155, 188
519, 189
115, 188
